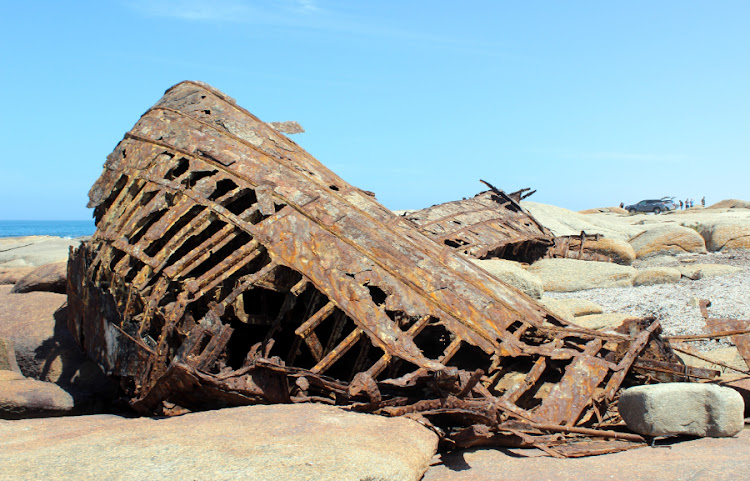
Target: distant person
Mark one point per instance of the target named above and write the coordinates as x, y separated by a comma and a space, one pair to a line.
703, 201
681, 205
691, 203
687, 204
622, 204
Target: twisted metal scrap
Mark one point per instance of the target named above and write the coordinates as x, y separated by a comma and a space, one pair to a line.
230, 267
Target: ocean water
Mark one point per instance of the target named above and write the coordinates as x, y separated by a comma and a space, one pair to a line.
59, 228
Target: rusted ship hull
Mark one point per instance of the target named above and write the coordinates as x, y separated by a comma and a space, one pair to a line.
230, 267
492, 224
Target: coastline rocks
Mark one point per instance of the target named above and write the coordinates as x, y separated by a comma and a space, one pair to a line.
700, 271
27, 398
34, 250
657, 275
292, 442
48, 278
562, 222
513, 274
11, 275
724, 236
682, 408
730, 204
8, 356
667, 239
605, 321
570, 308
604, 210
568, 275
619, 251
46, 350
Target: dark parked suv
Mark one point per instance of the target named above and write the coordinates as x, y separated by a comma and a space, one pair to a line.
652, 205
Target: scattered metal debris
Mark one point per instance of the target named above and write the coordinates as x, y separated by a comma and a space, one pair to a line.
492, 224
737, 330
230, 267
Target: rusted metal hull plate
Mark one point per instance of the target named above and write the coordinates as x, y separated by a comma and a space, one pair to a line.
230, 267
492, 224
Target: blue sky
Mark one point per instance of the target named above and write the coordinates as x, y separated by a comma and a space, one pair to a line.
591, 103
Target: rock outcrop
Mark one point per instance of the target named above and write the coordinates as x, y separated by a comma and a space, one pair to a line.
657, 275
567, 275
725, 236
279, 442
513, 274
48, 278
46, 350
34, 250
667, 239
603, 321
11, 275
28, 398
699, 271
730, 204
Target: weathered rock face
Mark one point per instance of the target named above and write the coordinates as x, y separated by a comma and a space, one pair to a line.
8, 356
45, 349
281, 442
563, 222
731, 204
602, 322
27, 398
570, 308
619, 251
699, 271
513, 274
657, 275
667, 239
34, 250
725, 236
682, 408
48, 278
567, 275
11, 275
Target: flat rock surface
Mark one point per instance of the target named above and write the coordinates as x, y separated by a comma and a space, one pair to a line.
715, 459
568, 275
599, 322
513, 274
34, 250
656, 275
281, 442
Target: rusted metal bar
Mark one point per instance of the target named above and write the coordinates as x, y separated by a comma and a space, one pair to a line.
741, 329
230, 267
694, 354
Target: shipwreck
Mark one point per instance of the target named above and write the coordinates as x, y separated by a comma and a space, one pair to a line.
492, 224
229, 267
